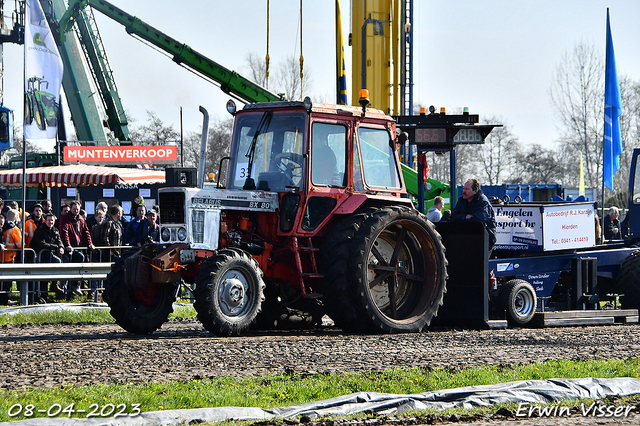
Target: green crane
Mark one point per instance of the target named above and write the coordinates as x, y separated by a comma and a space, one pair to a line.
229, 81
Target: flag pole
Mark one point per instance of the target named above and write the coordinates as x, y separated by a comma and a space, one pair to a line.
24, 141
604, 142
602, 218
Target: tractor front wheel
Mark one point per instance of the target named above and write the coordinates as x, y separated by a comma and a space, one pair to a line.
229, 292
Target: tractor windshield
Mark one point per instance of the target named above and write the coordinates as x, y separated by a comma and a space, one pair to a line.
275, 146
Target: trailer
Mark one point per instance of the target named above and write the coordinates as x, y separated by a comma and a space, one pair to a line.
547, 267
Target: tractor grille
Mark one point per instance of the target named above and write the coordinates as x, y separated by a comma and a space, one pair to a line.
172, 207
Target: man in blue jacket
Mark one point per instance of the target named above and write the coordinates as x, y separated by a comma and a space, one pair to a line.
475, 206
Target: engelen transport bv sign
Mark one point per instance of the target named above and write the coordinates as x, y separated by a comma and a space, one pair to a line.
150, 154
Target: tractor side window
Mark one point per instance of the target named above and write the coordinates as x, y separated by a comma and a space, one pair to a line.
357, 172
329, 155
318, 208
378, 158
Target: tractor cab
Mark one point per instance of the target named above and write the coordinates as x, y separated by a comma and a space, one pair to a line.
315, 156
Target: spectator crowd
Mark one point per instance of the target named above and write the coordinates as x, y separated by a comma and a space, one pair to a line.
70, 237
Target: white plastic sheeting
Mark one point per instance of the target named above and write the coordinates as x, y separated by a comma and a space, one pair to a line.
52, 307
530, 391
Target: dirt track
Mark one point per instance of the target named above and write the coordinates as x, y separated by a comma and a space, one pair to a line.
52, 355
44, 356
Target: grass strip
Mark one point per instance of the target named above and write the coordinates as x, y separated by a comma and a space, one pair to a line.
97, 316
291, 389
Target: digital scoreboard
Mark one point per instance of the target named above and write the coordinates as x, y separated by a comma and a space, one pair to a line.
424, 135
442, 130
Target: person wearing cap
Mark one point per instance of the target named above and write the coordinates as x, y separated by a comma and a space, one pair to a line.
110, 234
148, 231
91, 221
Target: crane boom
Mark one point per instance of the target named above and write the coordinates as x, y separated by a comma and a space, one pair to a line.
96, 55
229, 81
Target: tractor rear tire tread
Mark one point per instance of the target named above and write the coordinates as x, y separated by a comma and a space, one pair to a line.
129, 315
629, 281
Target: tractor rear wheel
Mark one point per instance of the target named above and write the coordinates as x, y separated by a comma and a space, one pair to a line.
629, 281
518, 298
393, 275
138, 311
229, 292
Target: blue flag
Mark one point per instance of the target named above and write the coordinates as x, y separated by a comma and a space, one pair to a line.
612, 113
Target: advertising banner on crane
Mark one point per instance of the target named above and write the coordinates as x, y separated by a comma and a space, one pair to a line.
43, 79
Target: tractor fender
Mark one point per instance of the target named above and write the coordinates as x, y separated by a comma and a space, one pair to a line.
351, 204
355, 201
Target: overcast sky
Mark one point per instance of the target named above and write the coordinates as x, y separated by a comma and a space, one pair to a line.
497, 57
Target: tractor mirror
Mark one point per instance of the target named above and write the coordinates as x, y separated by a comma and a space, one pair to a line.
402, 138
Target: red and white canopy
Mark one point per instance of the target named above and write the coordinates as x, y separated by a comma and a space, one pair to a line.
80, 175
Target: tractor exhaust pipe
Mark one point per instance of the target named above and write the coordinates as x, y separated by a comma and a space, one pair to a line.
203, 146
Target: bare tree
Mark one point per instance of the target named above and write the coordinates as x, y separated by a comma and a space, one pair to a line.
219, 138
629, 130
287, 80
256, 68
578, 96
539, 165
497, 155
154, 131
6, 154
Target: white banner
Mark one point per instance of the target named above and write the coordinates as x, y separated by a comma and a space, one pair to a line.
43, 78
518, 227
569, 226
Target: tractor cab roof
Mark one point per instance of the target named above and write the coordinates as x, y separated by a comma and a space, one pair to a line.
344, 110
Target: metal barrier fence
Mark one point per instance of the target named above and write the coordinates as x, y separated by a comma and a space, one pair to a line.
95, 267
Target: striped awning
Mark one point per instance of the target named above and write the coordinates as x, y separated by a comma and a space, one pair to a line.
80, 175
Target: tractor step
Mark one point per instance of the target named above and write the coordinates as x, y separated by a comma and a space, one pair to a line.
306, 247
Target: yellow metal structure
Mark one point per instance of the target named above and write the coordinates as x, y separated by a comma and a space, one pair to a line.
375, 42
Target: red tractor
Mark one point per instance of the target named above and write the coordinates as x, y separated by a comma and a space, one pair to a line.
314, 217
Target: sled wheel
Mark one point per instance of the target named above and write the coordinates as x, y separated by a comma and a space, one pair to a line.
518, 298
229, 292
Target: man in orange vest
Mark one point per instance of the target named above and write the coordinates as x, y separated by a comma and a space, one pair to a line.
31, 224
12, 237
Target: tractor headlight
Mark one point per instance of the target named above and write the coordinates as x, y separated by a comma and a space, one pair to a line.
166, 234
231, 107
182, 234
307, 103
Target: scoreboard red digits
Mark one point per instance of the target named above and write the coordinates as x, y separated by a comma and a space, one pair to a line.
431, 135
